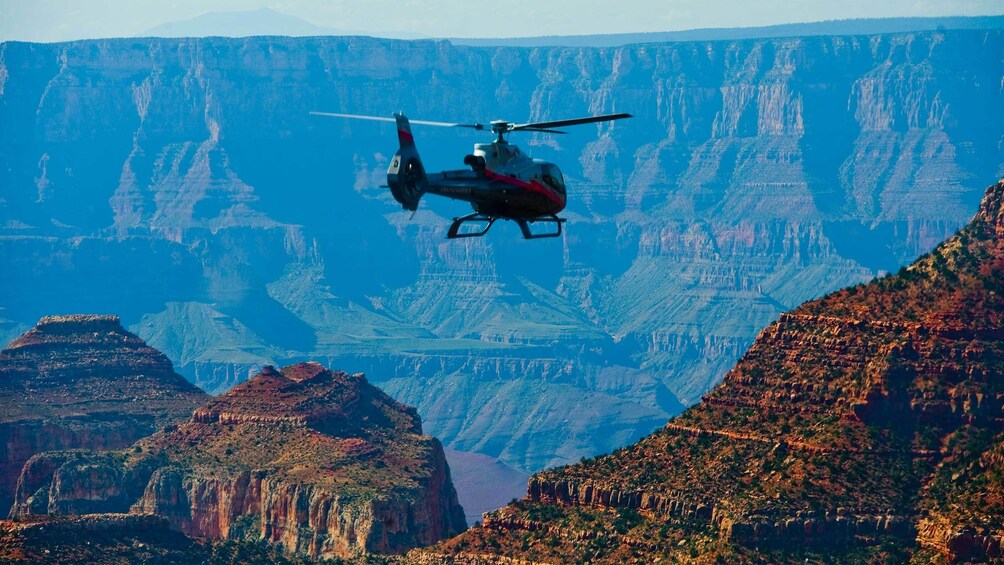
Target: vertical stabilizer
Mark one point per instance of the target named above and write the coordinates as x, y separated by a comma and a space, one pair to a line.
406, 175
404, 136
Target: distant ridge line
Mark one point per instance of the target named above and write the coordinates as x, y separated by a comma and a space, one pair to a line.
858, 26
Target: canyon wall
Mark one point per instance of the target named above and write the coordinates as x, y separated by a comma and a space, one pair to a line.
183, 184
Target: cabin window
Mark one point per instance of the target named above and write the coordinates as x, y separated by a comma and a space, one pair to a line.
552, 177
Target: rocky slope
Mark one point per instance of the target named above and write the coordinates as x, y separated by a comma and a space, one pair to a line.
114, 539
83, 382
864, 425
320, 462
756, 174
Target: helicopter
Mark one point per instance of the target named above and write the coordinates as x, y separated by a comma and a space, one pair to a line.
501, 183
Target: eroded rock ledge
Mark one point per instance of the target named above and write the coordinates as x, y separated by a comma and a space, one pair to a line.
807, 528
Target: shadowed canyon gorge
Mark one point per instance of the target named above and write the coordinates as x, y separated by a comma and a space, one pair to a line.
183, 185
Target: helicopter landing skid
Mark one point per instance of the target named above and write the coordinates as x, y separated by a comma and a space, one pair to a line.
488, 221
454, 232
552, 219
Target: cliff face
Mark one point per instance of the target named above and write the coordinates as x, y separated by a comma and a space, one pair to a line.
83, 382
320, 462
756, 174
865, 424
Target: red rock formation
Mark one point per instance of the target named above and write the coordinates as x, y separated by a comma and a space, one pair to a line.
320, 462
862, 425
82, 382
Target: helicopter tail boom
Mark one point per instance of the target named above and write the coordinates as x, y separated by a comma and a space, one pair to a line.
406, 175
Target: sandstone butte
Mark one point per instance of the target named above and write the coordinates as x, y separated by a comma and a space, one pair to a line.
83, 382
318, 461
863, 426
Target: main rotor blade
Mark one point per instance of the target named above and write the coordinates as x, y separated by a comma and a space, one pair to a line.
541, 130
572, 122
383, 119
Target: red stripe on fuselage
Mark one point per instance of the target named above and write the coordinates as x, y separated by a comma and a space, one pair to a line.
531, 186
405, 137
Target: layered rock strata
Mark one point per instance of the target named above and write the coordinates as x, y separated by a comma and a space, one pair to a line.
867, 424
319, 462
756, 174
83, 382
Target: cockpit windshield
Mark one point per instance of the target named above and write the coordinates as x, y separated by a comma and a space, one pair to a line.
552, 177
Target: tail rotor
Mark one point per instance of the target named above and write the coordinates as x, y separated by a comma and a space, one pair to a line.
407, 181
406, 175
